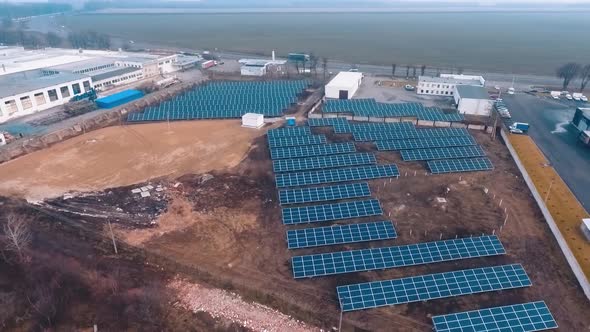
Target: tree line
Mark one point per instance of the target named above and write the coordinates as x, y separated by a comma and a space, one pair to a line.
12, 10
571, 71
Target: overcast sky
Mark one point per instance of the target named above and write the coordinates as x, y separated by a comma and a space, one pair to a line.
362, 3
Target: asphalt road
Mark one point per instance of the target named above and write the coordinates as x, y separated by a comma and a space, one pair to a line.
556, 137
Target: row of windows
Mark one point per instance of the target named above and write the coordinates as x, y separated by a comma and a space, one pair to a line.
117, 80
436, 92
87, 70
434, 85
27, 103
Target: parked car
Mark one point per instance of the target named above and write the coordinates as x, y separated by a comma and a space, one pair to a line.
584, 98
569, 97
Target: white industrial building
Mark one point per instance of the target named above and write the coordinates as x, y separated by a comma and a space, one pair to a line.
344, 85
446, 83
36, 90
35, 80
261, 67
472, 100
252, 120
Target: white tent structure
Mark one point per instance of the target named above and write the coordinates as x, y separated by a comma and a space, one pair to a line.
252, 120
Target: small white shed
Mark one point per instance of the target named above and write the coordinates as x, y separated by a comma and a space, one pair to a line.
344, 85
252, 120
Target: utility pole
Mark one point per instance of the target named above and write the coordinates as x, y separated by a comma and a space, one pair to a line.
113, 238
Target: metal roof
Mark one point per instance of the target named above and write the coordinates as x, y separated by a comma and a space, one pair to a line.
23, 82
260, 62
472, 92
346, 79
113, 73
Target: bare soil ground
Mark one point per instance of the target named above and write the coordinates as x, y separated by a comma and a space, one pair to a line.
229, 228
124, 155
223, 228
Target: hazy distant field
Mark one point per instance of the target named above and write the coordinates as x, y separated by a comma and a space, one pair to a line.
534, 43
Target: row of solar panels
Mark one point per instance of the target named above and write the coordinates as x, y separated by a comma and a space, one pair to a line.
371, 108
219, 100
520, 317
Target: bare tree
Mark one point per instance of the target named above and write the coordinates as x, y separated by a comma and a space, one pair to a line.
460, 70
407, 71
17, 234
568, 72
393, 67
585, 77
313, 64
413, 71
422, 70
325, 67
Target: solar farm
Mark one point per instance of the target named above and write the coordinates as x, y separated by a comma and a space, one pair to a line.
335, 225
226, 100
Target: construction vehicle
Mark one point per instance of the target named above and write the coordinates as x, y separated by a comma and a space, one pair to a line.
88, 95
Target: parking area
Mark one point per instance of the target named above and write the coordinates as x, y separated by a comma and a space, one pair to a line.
551, 130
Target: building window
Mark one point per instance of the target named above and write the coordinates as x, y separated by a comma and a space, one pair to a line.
11, 106
40, 98
65, 92
76, 88
421, 91
26, 102
52, 95
86, 85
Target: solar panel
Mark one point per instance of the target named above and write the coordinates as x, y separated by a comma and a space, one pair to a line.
391, 257
296, 140
322, 194
312, 150
332, 161
526, 317
443, 153
339, 234
372, 127
326, 122
432, 286
460, 165
289, 131
330, 212
336, 175
431, 142
406, 134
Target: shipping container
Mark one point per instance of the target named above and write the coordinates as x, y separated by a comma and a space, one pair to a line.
119, 98
208, 64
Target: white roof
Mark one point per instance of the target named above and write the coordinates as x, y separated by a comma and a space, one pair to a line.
346, 79
586, 222
252, 116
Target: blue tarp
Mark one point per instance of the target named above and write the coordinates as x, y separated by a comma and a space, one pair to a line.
119, 98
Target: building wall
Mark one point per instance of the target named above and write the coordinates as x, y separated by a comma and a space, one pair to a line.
253, 70
118, 80
581, 122
41, 99
333, 91
475, 106
435, 89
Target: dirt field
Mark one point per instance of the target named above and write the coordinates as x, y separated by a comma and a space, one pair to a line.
229, 228
119, 156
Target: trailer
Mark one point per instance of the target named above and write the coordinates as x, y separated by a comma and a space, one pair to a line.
208, 64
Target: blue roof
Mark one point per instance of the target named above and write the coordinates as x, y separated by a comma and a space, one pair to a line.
118, 96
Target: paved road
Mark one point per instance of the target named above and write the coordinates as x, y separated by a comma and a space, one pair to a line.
557, 138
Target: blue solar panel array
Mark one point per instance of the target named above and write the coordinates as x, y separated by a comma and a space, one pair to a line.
336, 175
326, 122
343, 128
330, 212
288, 131
390, 257
323, 194
312, 150
423, 143
279, 142
371, 108
226, 100
460, 165
443, 153
432, 286
332, 161
407, 134
340, 234
526, 317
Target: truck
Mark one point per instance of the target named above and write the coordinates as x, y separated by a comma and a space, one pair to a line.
208, 64
519, 128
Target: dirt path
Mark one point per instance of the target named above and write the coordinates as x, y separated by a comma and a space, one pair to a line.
119, 156
226, 305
